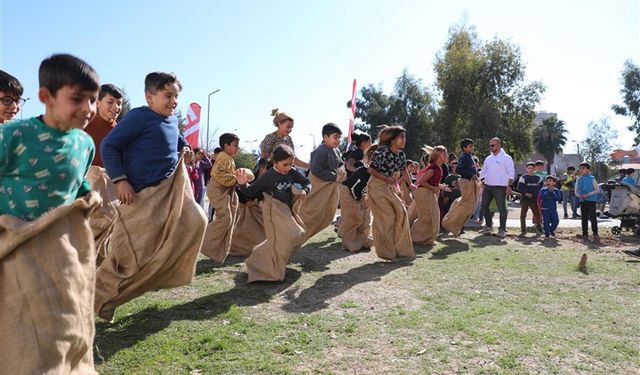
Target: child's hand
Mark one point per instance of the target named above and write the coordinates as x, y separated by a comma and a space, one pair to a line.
297, 191
341, 175
125, 192
241, 177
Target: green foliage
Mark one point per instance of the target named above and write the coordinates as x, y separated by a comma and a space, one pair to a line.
484, 93
548, 139
597, 145
630, 91
245, 159
409, 105
182, 121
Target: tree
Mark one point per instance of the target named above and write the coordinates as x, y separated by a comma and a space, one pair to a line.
244, 159
597, 145
409, 105
630, 91
548, 139
126, 105
484, 93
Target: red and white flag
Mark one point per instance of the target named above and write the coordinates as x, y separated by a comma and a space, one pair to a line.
192, 129
352, 119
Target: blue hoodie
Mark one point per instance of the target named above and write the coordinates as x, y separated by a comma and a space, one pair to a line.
587, 185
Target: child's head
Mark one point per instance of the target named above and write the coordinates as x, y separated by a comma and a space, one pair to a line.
630, 171
110, 102
369, 153
198, 153
409, 166
282, 158
584, 168
161, 90
571, 169
283, 121
539, 166
467, 145
392, 136
531, 167
331, 134
10, 96
550, 182
439, 155
69, 90
362, 140
229, 143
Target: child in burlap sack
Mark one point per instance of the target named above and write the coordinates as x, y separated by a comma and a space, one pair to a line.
391, 237
222, 195
426, 227
327, 172
159, 226
355, 223
47, 257
285, 232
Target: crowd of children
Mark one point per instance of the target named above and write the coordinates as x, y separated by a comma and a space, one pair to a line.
160, 183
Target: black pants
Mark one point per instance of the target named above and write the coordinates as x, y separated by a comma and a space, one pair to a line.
498, 193
588, 212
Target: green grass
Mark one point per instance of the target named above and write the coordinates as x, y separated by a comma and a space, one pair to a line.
472, 305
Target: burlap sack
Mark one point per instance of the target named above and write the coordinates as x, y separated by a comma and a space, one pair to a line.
248, 231
355, 222
47, 278
103, 217
319, 208
285, 233
463, 207
154, 244
391, 236
217, 237
407, 194
426, 227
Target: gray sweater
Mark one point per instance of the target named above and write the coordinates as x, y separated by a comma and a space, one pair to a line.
324, 163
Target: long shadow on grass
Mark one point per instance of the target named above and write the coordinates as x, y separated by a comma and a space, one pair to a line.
450, 247
129, 330
207, 265
316, 256
328, 286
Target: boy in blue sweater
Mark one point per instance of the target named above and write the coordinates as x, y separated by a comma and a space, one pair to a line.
529, 186
143, 149
587, 190
549, 197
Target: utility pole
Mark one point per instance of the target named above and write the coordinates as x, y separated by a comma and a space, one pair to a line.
208, 114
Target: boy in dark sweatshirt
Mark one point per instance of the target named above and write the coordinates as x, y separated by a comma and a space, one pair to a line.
549, 197
529, 186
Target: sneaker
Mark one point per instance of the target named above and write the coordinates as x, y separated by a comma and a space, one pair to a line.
566, 216
553, 234
633, 253
502, 233
522, 234
596, 238
546, 236
486, 230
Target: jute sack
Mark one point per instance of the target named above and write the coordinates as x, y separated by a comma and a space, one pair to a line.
355, 222
319, 208
462, 208
407, 195
285, 233
248, 231
217, 237
47, 278
426, 227
154, 244
103, 217
391, 236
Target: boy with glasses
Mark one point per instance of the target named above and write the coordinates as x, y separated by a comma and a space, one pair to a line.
10, 96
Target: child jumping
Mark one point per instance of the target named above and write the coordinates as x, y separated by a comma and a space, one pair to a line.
283, 227
391, 236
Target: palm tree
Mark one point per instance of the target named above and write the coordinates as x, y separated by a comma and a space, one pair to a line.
548, 139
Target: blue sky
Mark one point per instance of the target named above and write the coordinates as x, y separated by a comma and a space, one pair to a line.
302, 56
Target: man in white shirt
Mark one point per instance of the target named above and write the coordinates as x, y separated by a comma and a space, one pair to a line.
617, 155
497, 175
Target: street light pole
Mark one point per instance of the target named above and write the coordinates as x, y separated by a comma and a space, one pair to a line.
314, 140
22, 108
209, 113
251, 144
577, 145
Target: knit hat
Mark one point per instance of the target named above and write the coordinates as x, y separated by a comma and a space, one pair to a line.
279, 116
